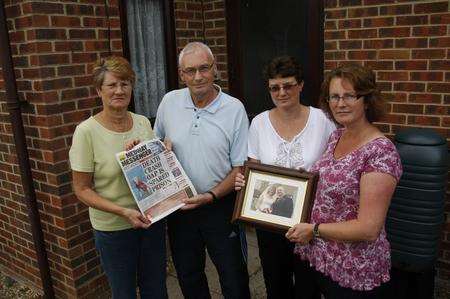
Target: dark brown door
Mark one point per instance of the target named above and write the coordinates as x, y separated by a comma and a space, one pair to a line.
259, 30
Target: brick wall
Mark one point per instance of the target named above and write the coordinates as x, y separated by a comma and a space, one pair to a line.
407, 43
53, 44
203, 21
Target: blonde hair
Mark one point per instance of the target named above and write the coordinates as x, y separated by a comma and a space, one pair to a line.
114, 64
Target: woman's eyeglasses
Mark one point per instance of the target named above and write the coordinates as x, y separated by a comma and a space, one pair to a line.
346, 97
287, 87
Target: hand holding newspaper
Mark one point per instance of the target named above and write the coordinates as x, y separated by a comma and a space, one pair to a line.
156, 179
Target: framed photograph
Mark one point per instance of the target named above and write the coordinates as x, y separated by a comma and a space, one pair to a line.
274, 198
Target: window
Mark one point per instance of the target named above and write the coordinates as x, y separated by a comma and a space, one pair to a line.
148, 52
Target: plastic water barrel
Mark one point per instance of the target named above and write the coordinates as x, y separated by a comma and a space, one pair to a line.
416, 213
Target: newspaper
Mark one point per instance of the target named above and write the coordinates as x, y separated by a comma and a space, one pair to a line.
156, 179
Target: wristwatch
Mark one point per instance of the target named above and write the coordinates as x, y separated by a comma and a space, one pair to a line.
316, 233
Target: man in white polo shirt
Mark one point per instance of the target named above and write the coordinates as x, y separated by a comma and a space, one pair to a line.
208, 130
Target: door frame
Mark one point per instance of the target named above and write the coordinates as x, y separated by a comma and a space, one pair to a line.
314, 70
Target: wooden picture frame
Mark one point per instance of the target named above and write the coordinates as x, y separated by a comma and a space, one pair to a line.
274, 198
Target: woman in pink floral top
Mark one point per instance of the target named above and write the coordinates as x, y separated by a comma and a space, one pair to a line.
346, 241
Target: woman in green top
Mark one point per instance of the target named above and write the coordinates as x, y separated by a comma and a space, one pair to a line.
132, 250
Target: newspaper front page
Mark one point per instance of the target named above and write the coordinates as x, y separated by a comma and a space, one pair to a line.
156, 179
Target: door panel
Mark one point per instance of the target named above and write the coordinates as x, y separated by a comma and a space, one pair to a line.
259, 30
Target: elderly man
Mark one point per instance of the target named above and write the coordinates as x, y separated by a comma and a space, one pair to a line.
208, 130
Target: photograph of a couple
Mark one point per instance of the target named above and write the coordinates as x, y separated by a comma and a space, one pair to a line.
273, 198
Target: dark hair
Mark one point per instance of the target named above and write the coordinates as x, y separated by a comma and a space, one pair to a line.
283, 66
363, 81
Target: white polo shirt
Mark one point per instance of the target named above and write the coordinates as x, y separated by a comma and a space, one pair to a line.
207, 141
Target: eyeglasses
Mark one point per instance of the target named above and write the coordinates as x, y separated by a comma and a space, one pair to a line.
346, 97
125, 85
203, 69
287, 87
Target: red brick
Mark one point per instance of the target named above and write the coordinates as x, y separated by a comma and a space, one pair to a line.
423, 120
49, 34
361, 55
424, 98
218, 14
343, 3
379, 22
429, 30
350, 44
378, 43
79, 10
428, 54
433, 7
363, 33
328, 45
42, 8
13, 11
395, 97
84, 57
71, 70
440, 19
426, 76
409, 86
440, 42
384, 86
330, 3
437, 110
330, 25
380, 65
362, 12
334, 55
329, 35
76, 93
32, 21
94, 22
395, 32
49, 59
82, 34
438, 87
56, 84
376, 2
392, 76
394, 54
411, 43
407, 108
395, 10
64, 21
336, 14
17, 36
411, 65
349, 23
69, 46
411, 20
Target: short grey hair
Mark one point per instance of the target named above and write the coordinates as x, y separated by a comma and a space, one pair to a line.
193, 47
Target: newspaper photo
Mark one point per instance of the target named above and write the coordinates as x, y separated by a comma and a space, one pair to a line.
156, 179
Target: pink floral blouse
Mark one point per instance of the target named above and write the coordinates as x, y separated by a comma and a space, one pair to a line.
357, 265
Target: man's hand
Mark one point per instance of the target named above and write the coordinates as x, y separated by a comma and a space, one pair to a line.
197, 201
168, 144
136, 219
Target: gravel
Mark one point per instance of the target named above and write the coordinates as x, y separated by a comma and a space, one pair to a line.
11, 289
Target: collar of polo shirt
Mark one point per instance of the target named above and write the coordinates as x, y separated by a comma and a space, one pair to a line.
211, 108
